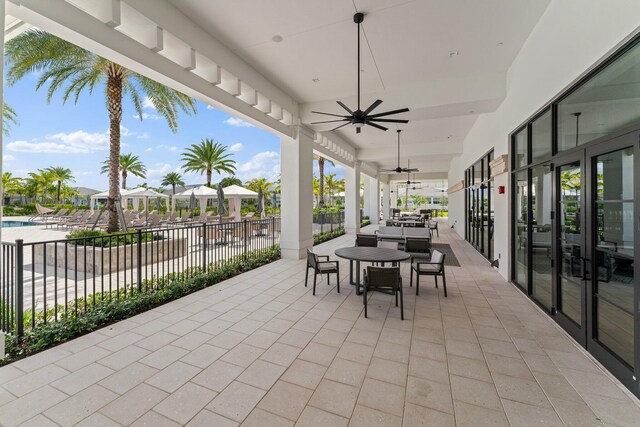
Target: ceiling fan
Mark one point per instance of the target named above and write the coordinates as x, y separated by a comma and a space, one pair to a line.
360, 118
398, 169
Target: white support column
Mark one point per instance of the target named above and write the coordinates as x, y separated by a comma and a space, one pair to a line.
2, 11
386, 199
368, 188
352, 198
296, 156
374, 200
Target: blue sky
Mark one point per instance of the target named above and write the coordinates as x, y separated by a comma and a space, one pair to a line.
75, 136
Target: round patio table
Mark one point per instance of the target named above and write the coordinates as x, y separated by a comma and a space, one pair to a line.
368, 254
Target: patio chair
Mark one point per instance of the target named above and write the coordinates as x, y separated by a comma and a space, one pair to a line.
434, 267
388, 245
386, 280
418, 247
249, 215
367, 240
433, 225
321, 265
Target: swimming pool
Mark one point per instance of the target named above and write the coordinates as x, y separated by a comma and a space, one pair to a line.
11, 224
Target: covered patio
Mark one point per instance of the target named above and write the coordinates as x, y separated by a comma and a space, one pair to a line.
259, 349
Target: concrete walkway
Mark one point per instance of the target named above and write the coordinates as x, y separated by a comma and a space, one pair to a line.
260, 350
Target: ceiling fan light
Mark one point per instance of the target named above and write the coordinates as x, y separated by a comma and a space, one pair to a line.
358, 124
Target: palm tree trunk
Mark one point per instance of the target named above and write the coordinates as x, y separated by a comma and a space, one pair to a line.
59, 188
114, 105
208, 177
124, 179
173, 187
321, 190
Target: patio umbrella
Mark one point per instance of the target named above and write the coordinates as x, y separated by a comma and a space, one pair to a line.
220, 200
260, 207
192, 202
158, 204
274, 200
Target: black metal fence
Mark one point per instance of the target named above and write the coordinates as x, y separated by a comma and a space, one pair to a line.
327, 221
44, 281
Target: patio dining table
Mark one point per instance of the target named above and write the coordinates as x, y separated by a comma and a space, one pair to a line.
368, 254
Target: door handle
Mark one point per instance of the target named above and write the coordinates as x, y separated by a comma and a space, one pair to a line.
584, 262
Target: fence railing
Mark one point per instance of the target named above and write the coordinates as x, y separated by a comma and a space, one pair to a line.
327, 221
45, 281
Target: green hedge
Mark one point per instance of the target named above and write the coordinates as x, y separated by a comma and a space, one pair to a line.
104, 239
327, 235
103, 309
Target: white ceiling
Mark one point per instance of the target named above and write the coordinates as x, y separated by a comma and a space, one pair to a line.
406, 61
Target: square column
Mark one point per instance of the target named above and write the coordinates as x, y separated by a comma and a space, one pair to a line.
368, 188
386, 199
373, 200
352, 198
296, 157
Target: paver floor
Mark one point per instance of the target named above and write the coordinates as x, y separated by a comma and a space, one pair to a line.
261, 350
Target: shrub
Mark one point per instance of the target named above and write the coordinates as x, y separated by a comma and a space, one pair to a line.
103, 239
327, 235
102, 309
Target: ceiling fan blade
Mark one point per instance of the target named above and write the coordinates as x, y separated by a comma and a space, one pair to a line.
373, 106
345, 107
388, 113
329, 114
376, 126
336, 128
387, 120
330, 121
410, 170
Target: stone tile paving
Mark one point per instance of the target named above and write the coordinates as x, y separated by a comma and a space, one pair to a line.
260, 350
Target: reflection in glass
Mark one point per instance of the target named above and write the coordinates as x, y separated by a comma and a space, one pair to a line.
520, 157
541, 207
541, 137
521, 205
570, 241
615, 252
607, 102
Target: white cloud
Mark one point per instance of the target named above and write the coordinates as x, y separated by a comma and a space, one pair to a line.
160, 169
125, 131
148, 150
148, 104
263, 165
8, 158
43, 147
239, 123
235, 147
173, 148
144, 135
147, 116
210, 107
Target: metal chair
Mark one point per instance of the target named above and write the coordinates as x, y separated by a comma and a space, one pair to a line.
434, 267
433, 225
418, 247
388, 245
367, 240
386, 280
321, 265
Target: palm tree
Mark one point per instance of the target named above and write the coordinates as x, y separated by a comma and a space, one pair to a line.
332, 185
61, 175
9, 116
208, 156
67, 67
173, 179
129, 164
316, 190
257, 184
40, 183
321, 160
230, 180
10, 185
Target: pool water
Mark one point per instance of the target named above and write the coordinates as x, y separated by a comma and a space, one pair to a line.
10, 224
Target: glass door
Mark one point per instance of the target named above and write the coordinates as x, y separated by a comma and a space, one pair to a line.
571, 265
613, 292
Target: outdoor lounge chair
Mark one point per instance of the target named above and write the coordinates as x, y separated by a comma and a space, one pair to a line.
42, 212
321, 265
386, 280
434, 267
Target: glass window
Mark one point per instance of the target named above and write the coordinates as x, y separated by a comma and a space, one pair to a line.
520, 157
521, 197
541, 207
541, 137
607, 102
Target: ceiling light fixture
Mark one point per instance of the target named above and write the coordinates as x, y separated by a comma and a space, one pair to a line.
315, 80
359, 118
277, 38
454, 53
